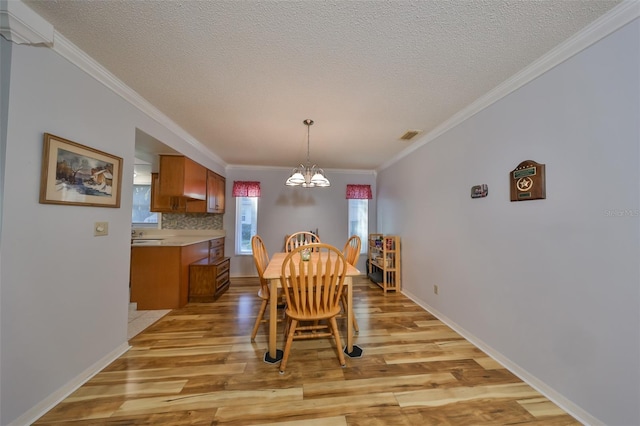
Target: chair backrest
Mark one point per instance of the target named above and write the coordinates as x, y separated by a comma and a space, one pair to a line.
351, 250
313, 287
261, 259
301, 238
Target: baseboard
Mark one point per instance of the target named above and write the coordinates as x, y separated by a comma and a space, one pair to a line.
56, 397
570, 407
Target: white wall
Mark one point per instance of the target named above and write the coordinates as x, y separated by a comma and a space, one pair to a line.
283, 210
5, 67
64, 293
61, 287
551, 286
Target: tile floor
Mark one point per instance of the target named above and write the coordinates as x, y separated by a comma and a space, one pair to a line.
139, 320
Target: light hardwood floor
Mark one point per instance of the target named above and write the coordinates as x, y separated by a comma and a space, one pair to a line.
197, 366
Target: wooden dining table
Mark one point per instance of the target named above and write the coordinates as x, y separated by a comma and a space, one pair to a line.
272, 274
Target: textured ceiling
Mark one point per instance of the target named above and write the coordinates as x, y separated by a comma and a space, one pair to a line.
241, 76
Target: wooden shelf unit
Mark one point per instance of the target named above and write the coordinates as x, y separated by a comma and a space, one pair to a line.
384, 261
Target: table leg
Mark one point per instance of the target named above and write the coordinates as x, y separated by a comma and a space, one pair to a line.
273, 355
349, 286
351, 350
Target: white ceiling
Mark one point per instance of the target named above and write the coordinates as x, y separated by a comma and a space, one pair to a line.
241, 76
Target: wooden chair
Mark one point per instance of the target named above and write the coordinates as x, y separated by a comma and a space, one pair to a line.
351, 252
313, 289
301, 238
261, 259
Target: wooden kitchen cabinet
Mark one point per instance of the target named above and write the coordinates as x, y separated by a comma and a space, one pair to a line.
209, 277
216, 249
160, 274
215, 192
164, 203
208, 280
184, 186
182, 177
215, 196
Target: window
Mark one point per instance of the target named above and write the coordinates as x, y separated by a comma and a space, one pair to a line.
359, 221
359, 196
246, 223
140, 214
247, 194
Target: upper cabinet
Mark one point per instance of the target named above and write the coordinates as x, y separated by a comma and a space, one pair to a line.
164, 203
182, 177
215, 192
184, 186
215, 196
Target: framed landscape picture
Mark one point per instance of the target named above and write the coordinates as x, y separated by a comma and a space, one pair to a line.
75, 174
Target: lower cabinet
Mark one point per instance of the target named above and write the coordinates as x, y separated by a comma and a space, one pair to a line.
160, 275
208, 279
168, 277
216, 249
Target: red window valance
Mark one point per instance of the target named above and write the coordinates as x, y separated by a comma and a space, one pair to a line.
359, 192
242, 188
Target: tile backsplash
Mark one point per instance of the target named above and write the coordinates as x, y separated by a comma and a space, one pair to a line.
191, 221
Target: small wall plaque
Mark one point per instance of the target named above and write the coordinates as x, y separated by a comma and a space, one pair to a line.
527, 181
479, 191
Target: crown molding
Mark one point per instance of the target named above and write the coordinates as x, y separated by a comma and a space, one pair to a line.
608, 23
73, 54
256, 167
22, 25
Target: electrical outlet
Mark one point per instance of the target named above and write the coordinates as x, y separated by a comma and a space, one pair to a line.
435, 289
100, 229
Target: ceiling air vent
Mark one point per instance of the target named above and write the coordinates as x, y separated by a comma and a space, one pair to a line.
410, 134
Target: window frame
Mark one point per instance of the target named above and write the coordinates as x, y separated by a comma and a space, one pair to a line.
239, 251
133, 206
365, 227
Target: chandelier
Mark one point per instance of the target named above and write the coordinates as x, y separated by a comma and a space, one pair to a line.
308, 176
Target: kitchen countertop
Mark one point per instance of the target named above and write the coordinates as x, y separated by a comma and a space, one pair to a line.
172, 238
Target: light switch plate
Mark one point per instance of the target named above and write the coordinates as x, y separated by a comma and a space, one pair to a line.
100, 229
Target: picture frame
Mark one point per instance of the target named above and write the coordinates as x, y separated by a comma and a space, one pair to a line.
75, 174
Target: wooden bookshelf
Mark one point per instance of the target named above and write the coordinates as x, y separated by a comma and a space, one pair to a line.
384, 261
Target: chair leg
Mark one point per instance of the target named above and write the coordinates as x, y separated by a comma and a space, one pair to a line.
287, 324
263, 308
336, 335
287, 346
